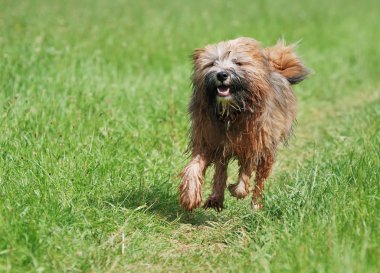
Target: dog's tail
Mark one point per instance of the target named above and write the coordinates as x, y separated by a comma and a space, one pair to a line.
284, 60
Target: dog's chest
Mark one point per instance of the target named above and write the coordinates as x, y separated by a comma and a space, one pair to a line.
238, 136
227, 122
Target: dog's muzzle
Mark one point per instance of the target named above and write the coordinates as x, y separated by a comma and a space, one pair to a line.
223, 88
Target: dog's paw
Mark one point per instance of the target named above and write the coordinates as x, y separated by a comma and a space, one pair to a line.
257, 206
238, 190
190, 199
190, 195
214, 202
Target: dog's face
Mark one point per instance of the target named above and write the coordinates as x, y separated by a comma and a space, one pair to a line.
235, 74
227, 71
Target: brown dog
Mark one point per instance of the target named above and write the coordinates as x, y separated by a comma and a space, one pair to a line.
242, 108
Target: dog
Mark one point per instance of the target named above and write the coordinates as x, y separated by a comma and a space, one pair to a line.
242, 107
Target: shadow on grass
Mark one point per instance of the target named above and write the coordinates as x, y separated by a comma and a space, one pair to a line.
162, 202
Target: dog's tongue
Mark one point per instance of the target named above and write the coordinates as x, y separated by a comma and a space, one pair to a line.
223, 91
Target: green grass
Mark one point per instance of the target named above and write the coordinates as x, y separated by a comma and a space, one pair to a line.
93, 124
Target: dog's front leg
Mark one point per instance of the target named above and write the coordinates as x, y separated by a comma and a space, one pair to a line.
241, 188
190, 189
263, 170
216, 199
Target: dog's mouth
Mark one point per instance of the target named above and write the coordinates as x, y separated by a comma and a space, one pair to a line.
223, 91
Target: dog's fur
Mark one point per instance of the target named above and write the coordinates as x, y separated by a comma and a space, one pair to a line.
244, 115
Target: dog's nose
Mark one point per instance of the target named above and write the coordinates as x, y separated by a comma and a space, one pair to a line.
222, 76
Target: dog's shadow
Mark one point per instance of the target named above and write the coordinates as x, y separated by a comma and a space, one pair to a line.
162, 200
164, 203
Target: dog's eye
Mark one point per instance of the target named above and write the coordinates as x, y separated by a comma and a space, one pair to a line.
238, 63
209, 64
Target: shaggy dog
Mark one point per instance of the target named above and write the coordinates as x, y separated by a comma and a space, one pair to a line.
242, 108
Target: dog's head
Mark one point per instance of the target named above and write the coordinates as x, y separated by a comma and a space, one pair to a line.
233, 74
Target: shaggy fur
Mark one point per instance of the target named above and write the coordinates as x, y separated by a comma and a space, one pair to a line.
242, 108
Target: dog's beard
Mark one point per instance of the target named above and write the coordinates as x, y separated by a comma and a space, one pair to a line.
225, 105
237, 99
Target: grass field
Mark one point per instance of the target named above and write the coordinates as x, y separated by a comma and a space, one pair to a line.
93, 129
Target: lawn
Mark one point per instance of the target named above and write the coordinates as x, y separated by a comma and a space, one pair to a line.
93, 129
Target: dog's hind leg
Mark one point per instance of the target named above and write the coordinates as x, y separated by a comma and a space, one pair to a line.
263, 170
190, 188
215, 200
241, 188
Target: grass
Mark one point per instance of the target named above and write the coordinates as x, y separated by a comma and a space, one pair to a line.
93, 126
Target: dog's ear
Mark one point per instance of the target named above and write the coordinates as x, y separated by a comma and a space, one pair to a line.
284, 60
197, 54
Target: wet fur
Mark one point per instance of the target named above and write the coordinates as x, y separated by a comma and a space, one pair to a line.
257, 119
